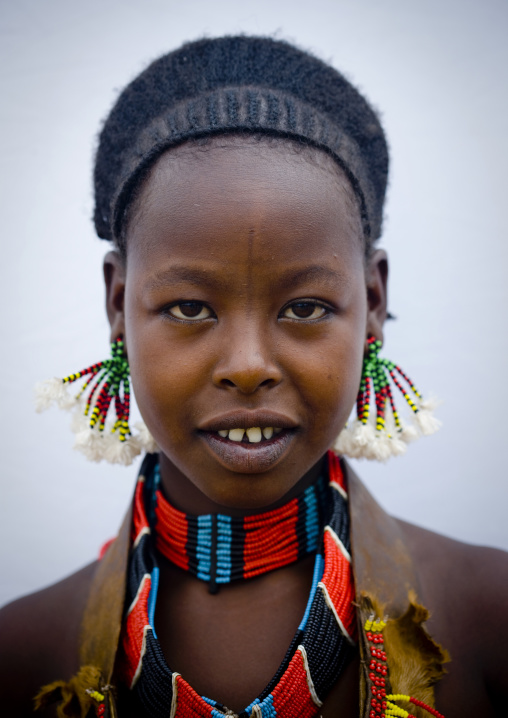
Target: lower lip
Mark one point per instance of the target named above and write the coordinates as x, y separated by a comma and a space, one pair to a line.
247, 458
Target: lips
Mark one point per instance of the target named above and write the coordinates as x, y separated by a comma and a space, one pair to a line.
252, 435
248, 442
243, 419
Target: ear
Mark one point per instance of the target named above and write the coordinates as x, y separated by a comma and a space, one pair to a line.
114, 278
377, 295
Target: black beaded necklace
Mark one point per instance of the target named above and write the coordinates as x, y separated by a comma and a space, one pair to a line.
320, 649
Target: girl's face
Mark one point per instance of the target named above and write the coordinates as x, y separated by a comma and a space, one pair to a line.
244, 304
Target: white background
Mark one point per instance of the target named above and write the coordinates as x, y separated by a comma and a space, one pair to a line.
437, 72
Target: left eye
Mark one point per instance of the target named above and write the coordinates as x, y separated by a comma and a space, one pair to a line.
304, 310
192, 311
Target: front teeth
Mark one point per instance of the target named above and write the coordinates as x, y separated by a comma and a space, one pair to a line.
236, 434
254, 434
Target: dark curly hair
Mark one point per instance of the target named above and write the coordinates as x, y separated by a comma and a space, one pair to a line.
233, 85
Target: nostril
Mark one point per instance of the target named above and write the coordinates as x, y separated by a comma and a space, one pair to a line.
227, 382
247, 385
267, 382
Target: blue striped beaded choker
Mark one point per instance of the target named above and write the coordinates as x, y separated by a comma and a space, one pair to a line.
218, 549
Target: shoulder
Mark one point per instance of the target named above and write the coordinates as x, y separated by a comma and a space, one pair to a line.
477, 575
465, 588
39, 643
440, 556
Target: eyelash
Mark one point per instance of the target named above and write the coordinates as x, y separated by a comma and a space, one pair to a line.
210, 315
306, 303
183, 318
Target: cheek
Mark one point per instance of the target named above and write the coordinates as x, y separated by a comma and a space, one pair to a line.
329, 380
165, 373
341, 386
163, 384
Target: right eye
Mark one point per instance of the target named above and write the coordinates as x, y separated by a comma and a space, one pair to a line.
190, 311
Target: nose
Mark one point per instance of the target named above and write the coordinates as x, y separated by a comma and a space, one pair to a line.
246, 361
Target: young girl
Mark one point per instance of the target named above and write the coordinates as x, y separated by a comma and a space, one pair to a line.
241, 182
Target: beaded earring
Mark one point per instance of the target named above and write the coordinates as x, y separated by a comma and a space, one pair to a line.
107, 384
385, 435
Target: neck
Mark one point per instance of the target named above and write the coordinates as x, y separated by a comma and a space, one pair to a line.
184, 495
219, 548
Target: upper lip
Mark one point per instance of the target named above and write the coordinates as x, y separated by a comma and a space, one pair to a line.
244, 419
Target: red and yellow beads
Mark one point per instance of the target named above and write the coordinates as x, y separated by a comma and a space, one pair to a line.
383, 704
100, 700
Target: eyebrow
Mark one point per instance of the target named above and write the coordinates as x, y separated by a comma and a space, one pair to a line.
294, 278
289, 279
192, 275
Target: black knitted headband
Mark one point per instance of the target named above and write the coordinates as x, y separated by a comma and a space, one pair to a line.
232, 85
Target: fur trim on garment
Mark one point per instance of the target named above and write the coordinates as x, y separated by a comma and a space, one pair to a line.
73, 696
415, 661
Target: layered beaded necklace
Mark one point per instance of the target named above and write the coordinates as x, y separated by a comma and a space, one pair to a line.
218, 549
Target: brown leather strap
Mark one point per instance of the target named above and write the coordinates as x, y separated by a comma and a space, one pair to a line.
102, 619
382, 564
100, 633
386, 584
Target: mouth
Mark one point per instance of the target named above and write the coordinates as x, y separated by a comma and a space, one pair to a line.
252, 435
249, 443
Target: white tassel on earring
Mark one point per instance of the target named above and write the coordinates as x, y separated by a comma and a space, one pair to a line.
106, 385
425, 419
146, 440
53, 391
380, 436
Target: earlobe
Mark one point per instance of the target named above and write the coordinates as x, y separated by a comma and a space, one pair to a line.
377, 292
114, 279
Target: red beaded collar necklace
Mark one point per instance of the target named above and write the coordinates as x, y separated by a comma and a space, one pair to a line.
218, 548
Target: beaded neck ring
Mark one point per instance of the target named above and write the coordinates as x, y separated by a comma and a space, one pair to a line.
321, 647
219, 549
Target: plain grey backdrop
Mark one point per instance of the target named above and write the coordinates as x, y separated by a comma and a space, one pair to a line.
437, 73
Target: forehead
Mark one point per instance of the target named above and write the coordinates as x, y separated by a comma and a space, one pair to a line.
278, 203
